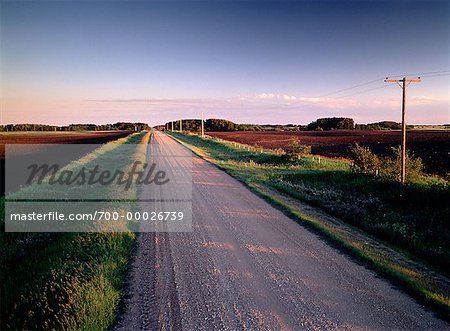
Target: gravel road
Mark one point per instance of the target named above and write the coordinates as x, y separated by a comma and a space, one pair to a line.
246, 266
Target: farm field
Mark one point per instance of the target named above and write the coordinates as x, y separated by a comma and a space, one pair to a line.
30, 142
70, 137
432, 146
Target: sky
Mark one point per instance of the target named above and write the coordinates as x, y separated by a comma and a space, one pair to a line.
250, 62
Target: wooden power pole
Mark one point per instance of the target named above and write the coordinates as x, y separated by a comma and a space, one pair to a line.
403, 83
202, 126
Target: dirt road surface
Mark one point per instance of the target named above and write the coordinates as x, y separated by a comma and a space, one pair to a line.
247, 266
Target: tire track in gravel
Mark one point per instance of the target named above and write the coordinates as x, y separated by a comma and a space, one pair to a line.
151, 302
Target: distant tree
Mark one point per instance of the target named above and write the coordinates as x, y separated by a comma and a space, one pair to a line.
215, 124
332, 123
76, 127
384, 125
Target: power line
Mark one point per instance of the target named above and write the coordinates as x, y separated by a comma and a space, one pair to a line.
429, 74
361, 92
350, 88
437, 75
377, 88
422, 74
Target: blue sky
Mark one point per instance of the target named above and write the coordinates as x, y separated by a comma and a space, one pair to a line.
259, 62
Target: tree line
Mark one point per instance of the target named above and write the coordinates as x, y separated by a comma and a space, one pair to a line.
328, 123
119, 126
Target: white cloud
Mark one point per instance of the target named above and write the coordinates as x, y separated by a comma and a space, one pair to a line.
422, 100
311, 99
295, 101
289, 98
273, 96
266, 96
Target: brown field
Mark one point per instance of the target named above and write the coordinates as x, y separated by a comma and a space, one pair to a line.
433, 146
31, 137
35, 139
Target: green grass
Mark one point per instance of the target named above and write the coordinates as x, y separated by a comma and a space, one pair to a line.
69, 281
73, 283
413, 219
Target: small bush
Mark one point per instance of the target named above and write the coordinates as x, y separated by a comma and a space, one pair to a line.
364, 159
391, 166
447, 176
296, 150
280, 151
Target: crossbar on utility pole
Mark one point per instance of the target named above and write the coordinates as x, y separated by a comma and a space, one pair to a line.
403, 83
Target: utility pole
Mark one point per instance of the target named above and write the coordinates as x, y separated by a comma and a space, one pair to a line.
171, 122
202, 126
403, 83
181, 125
